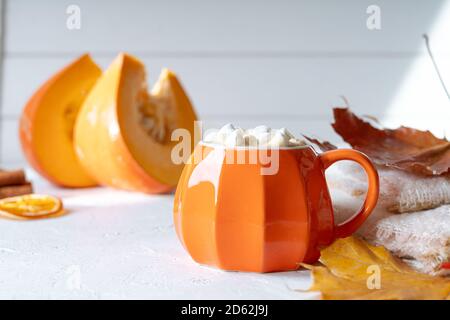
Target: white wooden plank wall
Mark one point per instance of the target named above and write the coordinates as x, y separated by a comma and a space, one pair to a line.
284, 63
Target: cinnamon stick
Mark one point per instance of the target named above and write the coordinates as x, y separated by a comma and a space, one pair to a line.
17, 190
13, 177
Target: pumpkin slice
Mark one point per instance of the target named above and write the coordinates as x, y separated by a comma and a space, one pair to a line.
46, 125
123, 132
31, 206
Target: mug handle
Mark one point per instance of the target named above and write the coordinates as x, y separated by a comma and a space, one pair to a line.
348, 227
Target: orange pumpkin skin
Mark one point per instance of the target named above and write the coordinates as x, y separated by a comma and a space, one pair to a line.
109, 141
232, 215
46, 123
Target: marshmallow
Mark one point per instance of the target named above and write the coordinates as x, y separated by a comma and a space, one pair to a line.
235, 138
279, 139
260, 136
224, 132
259, 129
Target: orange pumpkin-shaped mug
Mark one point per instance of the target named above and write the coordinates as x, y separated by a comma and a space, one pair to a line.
233, 215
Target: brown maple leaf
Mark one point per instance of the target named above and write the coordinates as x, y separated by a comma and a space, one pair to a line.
322, 145
402, 148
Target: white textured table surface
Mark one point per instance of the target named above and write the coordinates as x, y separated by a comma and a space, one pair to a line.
119, 245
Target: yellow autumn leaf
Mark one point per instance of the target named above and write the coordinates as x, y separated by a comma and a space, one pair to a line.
353, 269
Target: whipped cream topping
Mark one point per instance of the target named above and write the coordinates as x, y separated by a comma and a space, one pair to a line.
260, 136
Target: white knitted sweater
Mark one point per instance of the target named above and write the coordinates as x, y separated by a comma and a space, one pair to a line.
421, 238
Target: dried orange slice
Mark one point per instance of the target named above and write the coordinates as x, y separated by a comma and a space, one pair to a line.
31, 206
